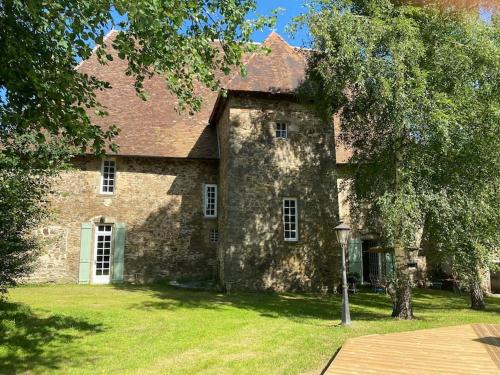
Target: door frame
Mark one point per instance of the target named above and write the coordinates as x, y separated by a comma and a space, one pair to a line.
102, 279
366, 242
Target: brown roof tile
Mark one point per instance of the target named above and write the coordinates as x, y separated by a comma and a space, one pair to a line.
280, 71
155, 128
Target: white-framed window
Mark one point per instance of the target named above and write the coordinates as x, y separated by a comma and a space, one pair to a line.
103, 245
108, 177
281, 130
290, 219
214, 236
210, 200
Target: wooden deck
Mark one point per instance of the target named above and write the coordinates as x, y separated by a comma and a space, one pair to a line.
457, 350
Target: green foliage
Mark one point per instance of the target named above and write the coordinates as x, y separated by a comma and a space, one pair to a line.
25, 174
369, 67
41, 43
464, 229
417, 89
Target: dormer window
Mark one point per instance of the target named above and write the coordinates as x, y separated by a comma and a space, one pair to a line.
281, 130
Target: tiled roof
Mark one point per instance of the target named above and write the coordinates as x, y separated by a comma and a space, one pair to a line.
155, 128
280, 71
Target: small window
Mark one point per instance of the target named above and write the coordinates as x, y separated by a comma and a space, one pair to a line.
108, 177
412, 265
290, 219
281, 130
210, 204
214, 236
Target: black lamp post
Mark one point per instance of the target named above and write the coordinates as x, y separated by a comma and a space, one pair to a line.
343, 231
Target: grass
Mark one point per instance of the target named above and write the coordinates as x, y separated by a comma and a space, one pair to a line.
157, 329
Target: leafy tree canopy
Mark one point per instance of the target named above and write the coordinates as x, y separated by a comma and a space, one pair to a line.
417, 89
45, 101
25, 181
41, 43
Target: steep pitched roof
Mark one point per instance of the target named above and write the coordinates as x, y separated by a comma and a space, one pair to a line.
155, 128
281, 71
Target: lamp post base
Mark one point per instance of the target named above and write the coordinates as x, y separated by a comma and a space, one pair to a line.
346, 314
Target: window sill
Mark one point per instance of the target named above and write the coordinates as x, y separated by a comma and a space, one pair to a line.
101, 195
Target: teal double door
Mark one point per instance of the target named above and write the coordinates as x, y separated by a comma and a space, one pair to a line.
368, 264
102, 248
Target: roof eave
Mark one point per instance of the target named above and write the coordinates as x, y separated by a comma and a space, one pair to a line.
217, 109
222, 100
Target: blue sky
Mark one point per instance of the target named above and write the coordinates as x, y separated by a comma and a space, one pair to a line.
291, 8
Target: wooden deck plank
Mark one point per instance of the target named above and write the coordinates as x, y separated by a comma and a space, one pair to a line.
457, 350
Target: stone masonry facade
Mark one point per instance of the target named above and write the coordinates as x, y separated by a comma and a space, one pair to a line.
160, 200
204, 196
257, 171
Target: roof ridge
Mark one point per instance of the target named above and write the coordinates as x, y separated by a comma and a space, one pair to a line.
275, 33
294, 49
252, 56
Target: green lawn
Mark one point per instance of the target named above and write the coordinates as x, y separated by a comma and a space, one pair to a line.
157, 329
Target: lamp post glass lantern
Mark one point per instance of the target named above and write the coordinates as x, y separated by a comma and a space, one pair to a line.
342, 231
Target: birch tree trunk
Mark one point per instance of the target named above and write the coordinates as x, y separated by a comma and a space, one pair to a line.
401, 299
401, 291
476, 294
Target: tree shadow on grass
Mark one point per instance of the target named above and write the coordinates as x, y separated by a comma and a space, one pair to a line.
429, 299
296, 306
29, 342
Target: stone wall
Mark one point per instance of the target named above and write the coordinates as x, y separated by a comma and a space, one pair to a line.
53, 264
160, 201
258, 170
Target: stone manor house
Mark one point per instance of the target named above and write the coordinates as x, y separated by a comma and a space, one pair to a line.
244, 191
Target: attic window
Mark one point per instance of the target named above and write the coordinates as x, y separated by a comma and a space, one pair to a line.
281, 130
